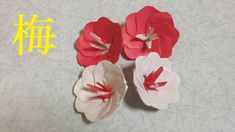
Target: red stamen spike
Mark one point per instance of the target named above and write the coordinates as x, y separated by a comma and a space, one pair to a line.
149, 82
105, 89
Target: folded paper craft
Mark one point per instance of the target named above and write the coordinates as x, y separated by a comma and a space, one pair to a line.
100, 40
155, 82
147, 37
149, 30
100, 90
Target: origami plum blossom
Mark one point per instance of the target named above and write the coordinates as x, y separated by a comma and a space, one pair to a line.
100, 40
156, 84
149, 30
100, 90
147, 37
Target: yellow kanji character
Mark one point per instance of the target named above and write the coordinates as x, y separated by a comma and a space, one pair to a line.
33, 31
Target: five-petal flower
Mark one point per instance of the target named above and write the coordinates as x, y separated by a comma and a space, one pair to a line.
100, 90
100, 40
148, 35
149, 30
156, 83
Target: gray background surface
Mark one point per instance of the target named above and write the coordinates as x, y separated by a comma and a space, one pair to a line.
36, 91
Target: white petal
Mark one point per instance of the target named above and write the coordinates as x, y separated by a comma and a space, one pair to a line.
139, 62
109, 67
99, 112
115, 101
99, 73
152, 62
96, 109
138, 69
116, 82
82, 93
88, 75
83, 103
138, 79
115, 77
106, 67
89, 107
166, 94
171, 88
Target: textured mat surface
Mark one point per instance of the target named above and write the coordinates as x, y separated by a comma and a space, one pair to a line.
36, 91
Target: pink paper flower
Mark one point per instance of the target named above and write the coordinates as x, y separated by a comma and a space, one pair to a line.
156, 84
100, 90
100, 40
149, 30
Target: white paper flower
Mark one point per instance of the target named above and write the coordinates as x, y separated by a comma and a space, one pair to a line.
156, 84
100, 90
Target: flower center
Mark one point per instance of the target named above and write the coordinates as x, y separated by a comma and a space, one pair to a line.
150, 80
104, 91
99, 44
148, 37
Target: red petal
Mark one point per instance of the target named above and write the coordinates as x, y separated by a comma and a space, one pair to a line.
117, 45
131, 26
163, 46
169, 31
104, 28
161, 18
109, 32
131, 42
84, 47
88, 29
134, 53
142, 18
90, 60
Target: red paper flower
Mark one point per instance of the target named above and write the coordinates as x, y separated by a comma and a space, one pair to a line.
149, 30
100, 40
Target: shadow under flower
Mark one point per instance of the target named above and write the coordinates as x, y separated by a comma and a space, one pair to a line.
132, 98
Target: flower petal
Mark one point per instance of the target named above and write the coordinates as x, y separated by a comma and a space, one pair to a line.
131, 26
115, 101
115, 77
99, 112
153, 62
82, 93
134, 53
88, 107
84, 47
138, 69
170, 32
142, 17
164, 96
160, 18
132, 42
102, 32
100, 29
88, 29
162, 46
116, 70
103, 72
168, 93
99, 72
87, 60
117, 45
